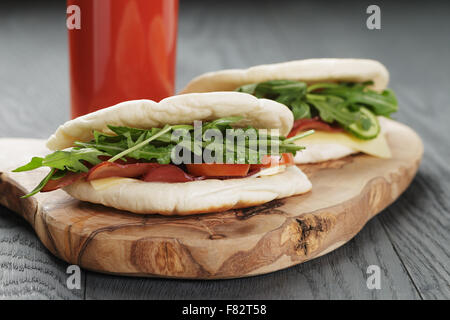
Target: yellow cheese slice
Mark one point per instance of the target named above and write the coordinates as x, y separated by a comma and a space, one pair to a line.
377, 147
105, 183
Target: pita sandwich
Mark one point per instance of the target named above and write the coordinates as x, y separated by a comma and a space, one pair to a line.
344, 100
123, 156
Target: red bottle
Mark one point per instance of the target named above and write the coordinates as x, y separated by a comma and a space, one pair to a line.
120, 50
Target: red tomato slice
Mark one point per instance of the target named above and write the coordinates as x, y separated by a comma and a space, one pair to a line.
218, 169
69, 178
287, 159
168, 173
267, 161
249, 173
313, 123
111, 169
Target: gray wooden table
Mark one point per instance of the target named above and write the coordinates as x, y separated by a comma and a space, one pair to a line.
409, 241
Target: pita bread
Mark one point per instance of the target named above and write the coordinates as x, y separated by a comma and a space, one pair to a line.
193, 197
181, 109
310, 71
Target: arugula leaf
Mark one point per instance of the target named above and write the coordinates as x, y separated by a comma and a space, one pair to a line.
352, 105
249, 88
300, 109
133, 132
327, 107
54, 174
280, 87
383, 103
140, 142
319, 86
157, 144
110, 148
40, 185
221, 124
36, 162
70, 160
150, 152
297, 137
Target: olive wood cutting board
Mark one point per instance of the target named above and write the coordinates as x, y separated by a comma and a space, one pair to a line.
238, 243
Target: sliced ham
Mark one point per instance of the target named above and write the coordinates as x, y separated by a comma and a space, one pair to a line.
112, 169
69, 178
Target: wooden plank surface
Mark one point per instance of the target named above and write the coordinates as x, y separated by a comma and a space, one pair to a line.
27, 269
338, 275
413, 43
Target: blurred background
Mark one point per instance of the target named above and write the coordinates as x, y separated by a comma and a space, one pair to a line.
413, 43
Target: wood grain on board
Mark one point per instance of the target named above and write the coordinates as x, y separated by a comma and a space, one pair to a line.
346, 194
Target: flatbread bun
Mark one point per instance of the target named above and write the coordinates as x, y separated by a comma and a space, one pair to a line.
181, 109
309, 70
193, 197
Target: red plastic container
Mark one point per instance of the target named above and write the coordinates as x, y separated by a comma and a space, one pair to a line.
124, 50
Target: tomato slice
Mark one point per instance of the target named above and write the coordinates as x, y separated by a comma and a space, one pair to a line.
288, 159
218, 169
267, 161
108, 169
154, 172
313, 123
69, 178
168, 173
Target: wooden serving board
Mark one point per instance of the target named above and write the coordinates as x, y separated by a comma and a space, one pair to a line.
346, 194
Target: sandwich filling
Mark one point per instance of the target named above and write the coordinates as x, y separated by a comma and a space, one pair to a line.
172, 154
345, 114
